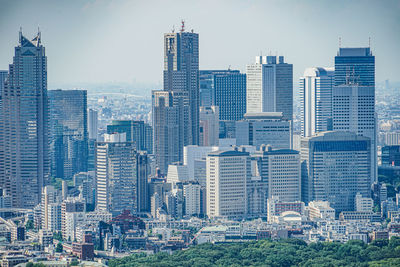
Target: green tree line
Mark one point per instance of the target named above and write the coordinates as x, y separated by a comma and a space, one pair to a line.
289, 252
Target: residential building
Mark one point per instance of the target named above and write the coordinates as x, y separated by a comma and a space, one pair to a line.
192, 194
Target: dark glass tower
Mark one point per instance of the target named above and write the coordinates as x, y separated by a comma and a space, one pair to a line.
69, 132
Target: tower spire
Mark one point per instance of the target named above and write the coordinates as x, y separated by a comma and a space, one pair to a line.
183, 26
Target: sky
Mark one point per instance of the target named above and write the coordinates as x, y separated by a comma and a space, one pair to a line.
121, 41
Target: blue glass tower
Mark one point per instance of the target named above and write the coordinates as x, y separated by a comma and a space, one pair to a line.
355, 65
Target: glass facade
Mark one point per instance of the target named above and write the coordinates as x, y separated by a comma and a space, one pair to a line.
69, 132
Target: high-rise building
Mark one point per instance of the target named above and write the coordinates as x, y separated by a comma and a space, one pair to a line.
280, 170
170, 111
143, 173
353, 110
69, 132
93, 124
209, 126
267, 128
227, 175
116, 175
335, 167
316, 100
181, 73
24, 126
3, 77
230, 94
270, 86
391, 155
357, 64
208, 90
192, 194
353, 97
136, 131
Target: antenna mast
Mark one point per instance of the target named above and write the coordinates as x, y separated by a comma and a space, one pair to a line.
183, 26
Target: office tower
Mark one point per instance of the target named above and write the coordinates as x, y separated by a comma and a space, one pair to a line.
143, 173
24, 127
192, 194
177, 173
230, 95
391, 155
93, 124
136, 131
270, 86
335, 166
280, 170
3, 77
170, 111
209, 126
227, 174
207, 85
354, 111
268, 128
181, 73
316, 100
353, 97
116, 175
355, 63
69, 132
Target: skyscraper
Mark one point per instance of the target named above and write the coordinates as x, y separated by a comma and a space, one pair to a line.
143, 173
209, 126
355, 63
230, 95
69, 132
227, 175
316, 100
270, 86
116, 175
24, 157
353, 96
181, 73
93, 124
170, 111
335, 166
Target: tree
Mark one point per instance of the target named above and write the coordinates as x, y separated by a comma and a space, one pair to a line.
29, 225
59, 247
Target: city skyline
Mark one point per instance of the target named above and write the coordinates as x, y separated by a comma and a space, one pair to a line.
219, 43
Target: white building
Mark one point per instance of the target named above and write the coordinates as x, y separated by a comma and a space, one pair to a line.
209, 126
364, 203
227, 174
320, 210
268, 128
192, 193
316, 100
177, 173
116, 175
270, 86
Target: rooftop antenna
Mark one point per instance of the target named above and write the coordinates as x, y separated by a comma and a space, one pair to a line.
369, 42
173, 28
340, 42
183, 26
229, 68
20, 34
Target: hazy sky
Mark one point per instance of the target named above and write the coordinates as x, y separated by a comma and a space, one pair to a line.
122, 41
